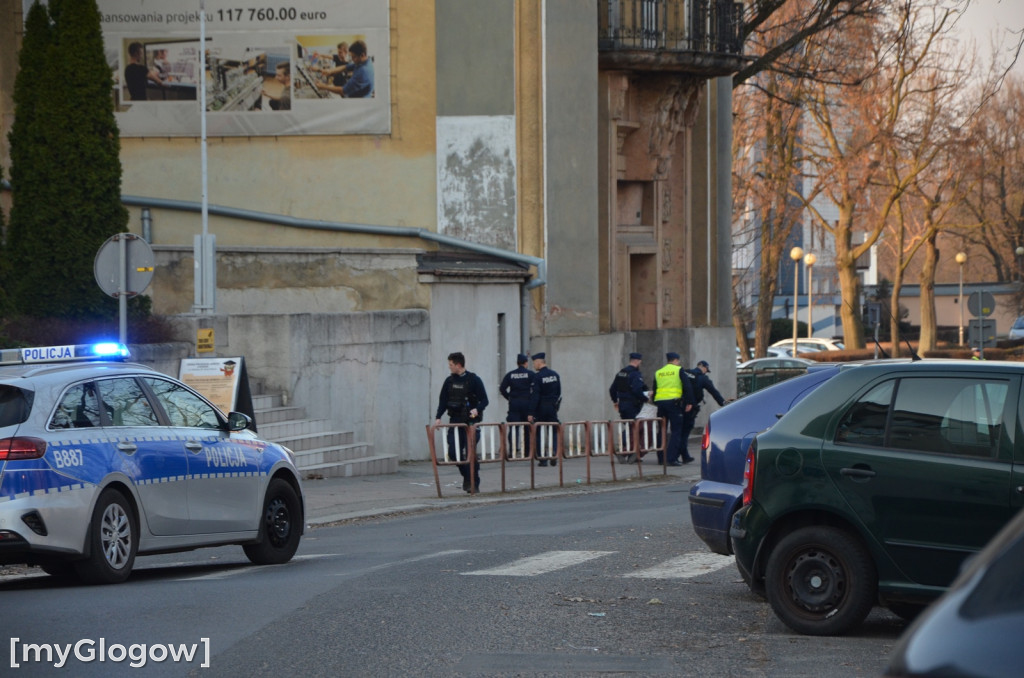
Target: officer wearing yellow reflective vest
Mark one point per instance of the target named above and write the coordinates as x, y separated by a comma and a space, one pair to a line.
674, 397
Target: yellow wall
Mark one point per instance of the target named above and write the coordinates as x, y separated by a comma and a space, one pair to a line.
386, 180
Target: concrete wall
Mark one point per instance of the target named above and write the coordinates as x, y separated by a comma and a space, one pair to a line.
570, 169
292, 280
380, 373
368, 372
481, 322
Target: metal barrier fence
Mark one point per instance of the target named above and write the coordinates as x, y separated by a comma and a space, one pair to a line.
625, 440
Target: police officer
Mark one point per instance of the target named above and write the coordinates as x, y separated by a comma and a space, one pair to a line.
549, 398
701, 383
628, 394
464, 398
673, 395
628, 391
519, 388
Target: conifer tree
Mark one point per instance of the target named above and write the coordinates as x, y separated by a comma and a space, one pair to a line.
28, 147
66, 175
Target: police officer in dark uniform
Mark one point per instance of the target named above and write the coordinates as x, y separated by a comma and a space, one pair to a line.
701, 383
628, 390
673, 395
519, 388
464, 398
628, 394
549, 397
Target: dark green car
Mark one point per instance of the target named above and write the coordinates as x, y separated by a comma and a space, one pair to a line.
875, 490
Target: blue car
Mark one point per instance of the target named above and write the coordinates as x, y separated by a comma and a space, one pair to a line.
719, 493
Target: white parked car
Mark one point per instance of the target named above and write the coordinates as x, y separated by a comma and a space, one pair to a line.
774, 363
808, 344
1017, 331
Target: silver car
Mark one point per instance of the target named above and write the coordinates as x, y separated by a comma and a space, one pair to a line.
102, 460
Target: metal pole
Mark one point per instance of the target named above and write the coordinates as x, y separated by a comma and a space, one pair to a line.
796, 291
810, 301
122, 290
960, 259
796, 254
202, 296
809, 260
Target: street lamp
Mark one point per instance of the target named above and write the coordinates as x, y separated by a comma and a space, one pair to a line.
961, 258
796, 254
1020, 253
809, 259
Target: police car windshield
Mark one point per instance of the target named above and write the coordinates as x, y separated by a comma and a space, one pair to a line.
14, 405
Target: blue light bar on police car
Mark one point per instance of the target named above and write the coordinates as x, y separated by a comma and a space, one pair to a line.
70, 353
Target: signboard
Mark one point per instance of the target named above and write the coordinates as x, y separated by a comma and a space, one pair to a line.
204, 340
982, 331
133, 274
215, 378
981, 303
267, 70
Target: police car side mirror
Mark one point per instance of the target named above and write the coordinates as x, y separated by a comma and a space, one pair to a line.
238, 421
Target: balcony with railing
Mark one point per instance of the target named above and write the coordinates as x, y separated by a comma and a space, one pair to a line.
702, 37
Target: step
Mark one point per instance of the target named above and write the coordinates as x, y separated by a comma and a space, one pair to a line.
309, 441
273, 415
321, 451
377, 464
266, 401
326, 455
294, 427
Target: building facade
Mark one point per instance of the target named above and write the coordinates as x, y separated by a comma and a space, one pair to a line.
529, 175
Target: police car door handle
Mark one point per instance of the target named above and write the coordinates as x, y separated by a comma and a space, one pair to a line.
127, 447
194, 446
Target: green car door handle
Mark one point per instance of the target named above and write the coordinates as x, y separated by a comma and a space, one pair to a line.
857, 473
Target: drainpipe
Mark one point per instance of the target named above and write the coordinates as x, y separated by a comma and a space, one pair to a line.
147, 225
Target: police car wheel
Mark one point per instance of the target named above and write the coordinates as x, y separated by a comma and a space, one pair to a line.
279, 526
113, 541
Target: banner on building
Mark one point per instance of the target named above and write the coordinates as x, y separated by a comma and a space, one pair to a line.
309, 67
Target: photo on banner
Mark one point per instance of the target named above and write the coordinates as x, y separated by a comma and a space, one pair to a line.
314, 67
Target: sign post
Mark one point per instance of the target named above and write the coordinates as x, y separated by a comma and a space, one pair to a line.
123, 268
982, 332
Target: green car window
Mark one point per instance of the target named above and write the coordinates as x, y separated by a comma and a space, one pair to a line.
864, 422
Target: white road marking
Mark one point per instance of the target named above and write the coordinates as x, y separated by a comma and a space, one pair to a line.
685, 567
543, 563
249, 568
416, 559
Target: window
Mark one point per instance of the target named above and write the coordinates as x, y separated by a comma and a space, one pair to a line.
961, 416
77, 408
183, 407
864, 423
14, 405
973, 423
126, 403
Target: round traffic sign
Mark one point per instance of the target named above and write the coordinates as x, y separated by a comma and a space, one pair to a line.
130, 277
981, 304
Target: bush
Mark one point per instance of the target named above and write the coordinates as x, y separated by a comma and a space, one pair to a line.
782, 328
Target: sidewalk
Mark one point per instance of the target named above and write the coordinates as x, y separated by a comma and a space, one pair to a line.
413, 487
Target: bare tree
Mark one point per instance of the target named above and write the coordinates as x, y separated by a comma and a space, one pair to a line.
998, 164
869, 144
765, 162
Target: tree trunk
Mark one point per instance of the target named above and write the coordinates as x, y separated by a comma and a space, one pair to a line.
929, 336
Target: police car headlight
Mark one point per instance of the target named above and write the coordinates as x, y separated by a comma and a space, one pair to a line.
291, 455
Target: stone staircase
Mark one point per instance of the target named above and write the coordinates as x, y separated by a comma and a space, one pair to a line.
321, 451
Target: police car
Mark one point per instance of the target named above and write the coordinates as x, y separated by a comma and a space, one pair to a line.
102, 460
